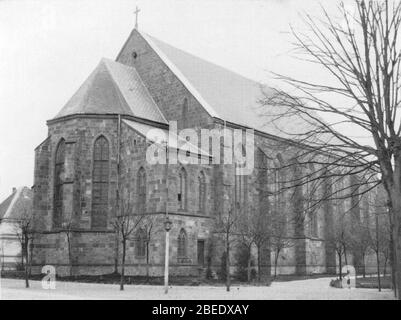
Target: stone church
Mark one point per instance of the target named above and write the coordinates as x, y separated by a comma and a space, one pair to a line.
97, 144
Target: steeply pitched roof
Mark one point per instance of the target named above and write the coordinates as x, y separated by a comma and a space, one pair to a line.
116, 88
13, 206
113, 88
5, 205
225, 94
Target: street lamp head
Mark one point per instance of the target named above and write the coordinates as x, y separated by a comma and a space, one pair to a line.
167, 224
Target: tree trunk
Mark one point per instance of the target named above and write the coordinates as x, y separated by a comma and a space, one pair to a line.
385, 267
25, 253
147, 261
30, 256
340, 262
275, 267
378, 270
248, 272
22, 254
397, 265
395, 213
345, 256
392, 264
228, 278
122, 279
363, 266
69, 252
259, 271
116, 253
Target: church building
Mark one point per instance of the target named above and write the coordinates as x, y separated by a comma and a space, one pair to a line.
96, 153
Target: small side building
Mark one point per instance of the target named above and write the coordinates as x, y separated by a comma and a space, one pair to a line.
12, 209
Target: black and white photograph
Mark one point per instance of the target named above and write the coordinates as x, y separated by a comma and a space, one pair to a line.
217, 151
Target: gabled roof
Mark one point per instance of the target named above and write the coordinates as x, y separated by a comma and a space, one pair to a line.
12, 208
113, 88
231, 97
5, 205
116, 88
223, 93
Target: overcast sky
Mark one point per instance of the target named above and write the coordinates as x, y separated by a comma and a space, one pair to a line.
48, 48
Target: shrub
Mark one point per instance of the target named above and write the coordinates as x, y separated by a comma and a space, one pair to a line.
336, 283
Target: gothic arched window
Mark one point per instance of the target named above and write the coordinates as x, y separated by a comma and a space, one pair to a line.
201, 192
309, 184
141, 243
241, 179
280, 195
279, 177
59, 171
182, 189
100, 181
314, 224
182, 244
141, 178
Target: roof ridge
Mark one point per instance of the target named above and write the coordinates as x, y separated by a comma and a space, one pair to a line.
141, 81
116, 86
113, 87
126, 42
206, 61
13, 201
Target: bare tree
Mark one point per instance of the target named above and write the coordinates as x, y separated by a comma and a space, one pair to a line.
359, 241
149, 227
279, 238
125, 224
362, 55
226, 225
379, 240
25, 234
261, 234
339, 239
251, 233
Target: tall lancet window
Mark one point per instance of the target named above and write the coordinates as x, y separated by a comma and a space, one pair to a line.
241, 180
201, 192
59, 176
182, 244
182, 189
100, 180
141, 178
140, 249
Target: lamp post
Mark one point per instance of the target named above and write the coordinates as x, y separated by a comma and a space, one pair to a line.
167, 227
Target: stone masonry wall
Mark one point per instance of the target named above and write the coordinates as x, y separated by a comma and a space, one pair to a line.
49, 246
164, 86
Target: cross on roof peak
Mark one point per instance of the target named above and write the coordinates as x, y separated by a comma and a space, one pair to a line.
137, 10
